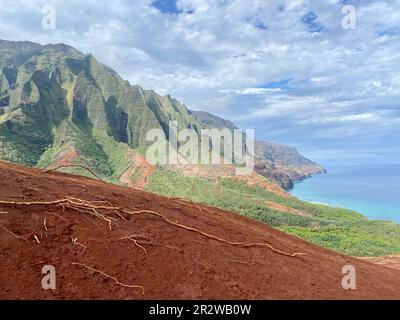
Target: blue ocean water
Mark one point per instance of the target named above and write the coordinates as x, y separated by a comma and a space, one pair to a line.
372, 190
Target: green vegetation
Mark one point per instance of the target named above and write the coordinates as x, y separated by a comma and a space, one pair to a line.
21, 146
116, 152
342, 230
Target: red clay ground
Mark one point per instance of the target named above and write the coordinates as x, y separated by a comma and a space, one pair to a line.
392, 261
167, 260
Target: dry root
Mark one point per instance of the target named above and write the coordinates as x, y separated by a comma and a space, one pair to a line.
13, 234
76, 243
30, 188
240, 262
197, 207
139, 246
77, 185
58, 216
186, 202
82, 206
210, 236
135, 238
91, 208
36, 238
149, 241
110, 277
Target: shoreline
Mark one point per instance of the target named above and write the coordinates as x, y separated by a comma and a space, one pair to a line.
339, 204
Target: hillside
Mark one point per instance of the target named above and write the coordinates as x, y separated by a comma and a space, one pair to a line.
57, 104
112, 242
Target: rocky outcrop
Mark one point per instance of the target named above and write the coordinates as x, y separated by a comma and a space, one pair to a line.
271, 172
285, 176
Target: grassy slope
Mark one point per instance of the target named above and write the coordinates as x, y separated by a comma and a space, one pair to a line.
342, 230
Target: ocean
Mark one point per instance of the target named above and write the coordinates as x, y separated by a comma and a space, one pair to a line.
372, 190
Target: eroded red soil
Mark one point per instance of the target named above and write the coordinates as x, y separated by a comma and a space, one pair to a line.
164, 255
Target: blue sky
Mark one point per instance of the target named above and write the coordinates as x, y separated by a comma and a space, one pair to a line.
286, 68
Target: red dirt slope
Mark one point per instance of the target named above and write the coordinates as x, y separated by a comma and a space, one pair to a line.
169, 248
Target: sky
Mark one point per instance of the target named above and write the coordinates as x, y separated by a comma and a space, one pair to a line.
288, 69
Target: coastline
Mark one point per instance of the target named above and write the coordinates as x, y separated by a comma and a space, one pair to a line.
307, 176
369, 190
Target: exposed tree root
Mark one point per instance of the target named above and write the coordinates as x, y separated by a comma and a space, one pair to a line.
36, 238
85, 206
240, 262
197, 207
76, 243
186, 202
150, 241
13, 234
238, 244
134, 239
82, 206
183, 201
77, 185
139, 246
30, 188
58, 216
110, 277
22, 203
74, 166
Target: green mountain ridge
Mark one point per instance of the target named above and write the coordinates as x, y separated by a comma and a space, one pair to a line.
54, 97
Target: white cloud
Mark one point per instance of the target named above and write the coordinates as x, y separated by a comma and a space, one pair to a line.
253, 91
345, 118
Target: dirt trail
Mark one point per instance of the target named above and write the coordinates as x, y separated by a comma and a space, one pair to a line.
162, 247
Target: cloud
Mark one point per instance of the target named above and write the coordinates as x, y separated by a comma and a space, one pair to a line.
253, 91
286, 68
368, 116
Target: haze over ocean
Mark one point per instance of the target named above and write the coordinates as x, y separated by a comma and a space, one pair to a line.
372, 190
